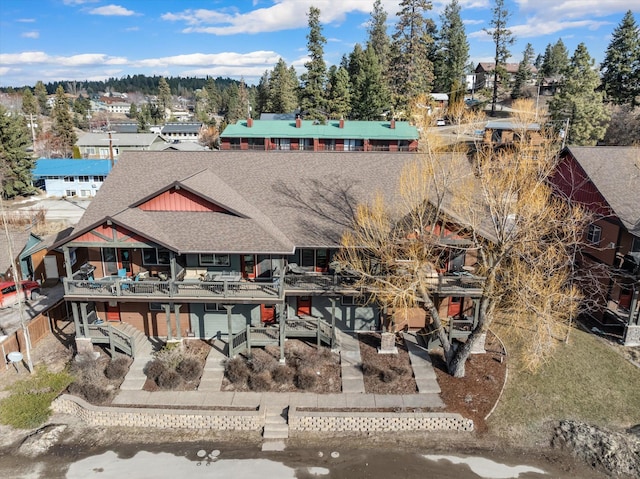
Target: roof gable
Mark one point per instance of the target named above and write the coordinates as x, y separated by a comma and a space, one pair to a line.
177, 199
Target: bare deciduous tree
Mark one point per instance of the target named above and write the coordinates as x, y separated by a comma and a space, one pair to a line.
497, 206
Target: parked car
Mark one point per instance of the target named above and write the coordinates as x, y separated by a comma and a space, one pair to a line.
9, 295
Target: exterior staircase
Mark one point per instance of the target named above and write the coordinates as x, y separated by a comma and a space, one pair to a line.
275, 423
143, 353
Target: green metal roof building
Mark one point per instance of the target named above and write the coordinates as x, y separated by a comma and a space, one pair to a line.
308, 135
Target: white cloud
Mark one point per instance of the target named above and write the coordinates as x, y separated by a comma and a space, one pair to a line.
26, 20
473, 22
534, 28
261, 58
112, 10
33, 34
283, 15
132, 29
572, 9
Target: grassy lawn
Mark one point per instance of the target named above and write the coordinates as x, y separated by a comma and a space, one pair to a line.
587, 380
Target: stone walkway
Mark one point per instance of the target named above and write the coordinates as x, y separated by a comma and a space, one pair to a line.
353, 395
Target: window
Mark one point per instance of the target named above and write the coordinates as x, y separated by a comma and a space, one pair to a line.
85, 193
155, 307
70, 193
330, 145
109, 261
348, 301
155, 256
353, 145
83, 178
282, 143
635, 245
594, 234
98, 178
210, 259
69, 179
210, 307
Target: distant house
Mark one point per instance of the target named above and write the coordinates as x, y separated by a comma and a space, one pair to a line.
96, 145
38, 262
485, 72
119, 108
124, 127
63, 177
308, 135
606, 181
499, 134
181, 132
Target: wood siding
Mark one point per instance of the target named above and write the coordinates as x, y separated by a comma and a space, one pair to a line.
180, 200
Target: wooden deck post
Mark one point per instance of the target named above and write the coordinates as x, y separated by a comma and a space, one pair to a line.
281, 323
229, 307
76, 320
167, 312
333, 322
85, 323
176, 308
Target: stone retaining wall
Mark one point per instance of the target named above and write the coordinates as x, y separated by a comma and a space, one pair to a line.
222, 420
343, 421
251, 420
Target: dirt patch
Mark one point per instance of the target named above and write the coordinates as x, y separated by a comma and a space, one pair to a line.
385, 373
474, 395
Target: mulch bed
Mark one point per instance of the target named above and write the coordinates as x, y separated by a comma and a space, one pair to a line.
477, 392
197, 348
385, 373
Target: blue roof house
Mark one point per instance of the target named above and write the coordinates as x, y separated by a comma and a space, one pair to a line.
66, 177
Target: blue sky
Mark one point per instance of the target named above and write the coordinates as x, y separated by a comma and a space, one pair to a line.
96, 39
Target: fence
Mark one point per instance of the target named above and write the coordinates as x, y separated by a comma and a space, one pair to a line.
39, 327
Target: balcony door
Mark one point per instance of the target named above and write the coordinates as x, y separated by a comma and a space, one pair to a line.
303, 306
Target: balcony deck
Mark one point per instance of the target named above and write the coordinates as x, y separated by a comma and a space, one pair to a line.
243, 291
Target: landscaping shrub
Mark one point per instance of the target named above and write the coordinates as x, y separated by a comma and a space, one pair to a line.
170, 355
260, 381
306, 379
117, 368
93, 393
28, 404
282, 374
236, 370
169, 379
261, 361
189, 368
388, 375
154, 368
370, 369
399, 370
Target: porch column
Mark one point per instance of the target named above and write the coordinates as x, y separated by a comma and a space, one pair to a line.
76, 320
176, 309
476, 311
172, 265
229, 307
282, 324
333, 321
67, 262
167, 312
85, 322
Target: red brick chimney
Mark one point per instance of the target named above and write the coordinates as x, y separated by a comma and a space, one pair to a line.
341, 124
298, 122
249, 122
393, 124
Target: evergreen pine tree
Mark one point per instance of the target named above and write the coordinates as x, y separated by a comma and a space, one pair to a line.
580, 102
15, 163
555, 60
452, 49
371, 98
164, 97
62, 132
524, 73
378, 38
133, 111
410, 68
41, 95
263, 94
312, 95
339, 101
502, 39
283, 83
29, 105
621, 66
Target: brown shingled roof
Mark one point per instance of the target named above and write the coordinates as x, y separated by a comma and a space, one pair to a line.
615, 171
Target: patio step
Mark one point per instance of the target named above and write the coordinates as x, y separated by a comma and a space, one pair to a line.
275, 423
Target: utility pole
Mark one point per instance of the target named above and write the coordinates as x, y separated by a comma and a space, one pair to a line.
111, 149
19, 291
